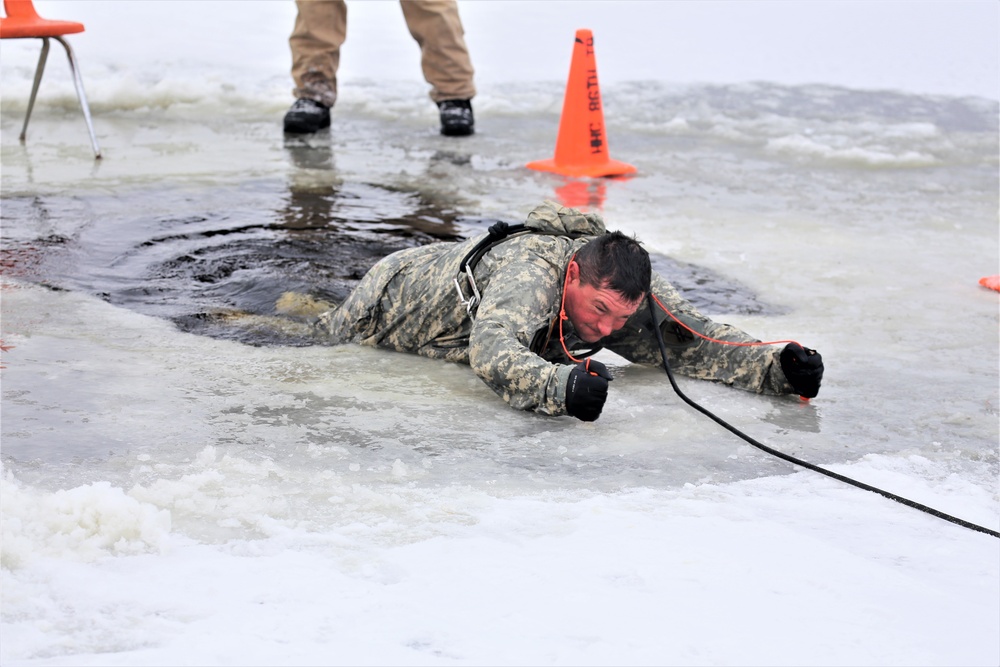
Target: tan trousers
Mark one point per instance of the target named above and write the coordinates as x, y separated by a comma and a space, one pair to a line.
321, 28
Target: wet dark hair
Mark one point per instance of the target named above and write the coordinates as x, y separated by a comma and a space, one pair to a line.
616, 262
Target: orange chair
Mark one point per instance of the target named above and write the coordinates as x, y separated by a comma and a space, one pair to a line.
22, 21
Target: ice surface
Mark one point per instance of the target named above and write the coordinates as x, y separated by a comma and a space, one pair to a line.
171, 498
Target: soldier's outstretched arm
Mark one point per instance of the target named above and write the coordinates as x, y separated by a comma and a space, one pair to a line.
518, 303
754, 368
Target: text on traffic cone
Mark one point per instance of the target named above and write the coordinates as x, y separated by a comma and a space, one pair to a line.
582, 144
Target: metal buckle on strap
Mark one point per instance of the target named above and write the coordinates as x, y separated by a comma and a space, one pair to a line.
498, 232
473, 301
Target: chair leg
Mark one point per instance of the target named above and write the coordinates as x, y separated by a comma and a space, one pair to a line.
34, 88
78, 81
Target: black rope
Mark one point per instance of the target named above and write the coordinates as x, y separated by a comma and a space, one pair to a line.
797, 461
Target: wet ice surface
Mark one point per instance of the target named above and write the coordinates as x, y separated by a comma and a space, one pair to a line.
827, 239
354, 411
158, 438
210, 265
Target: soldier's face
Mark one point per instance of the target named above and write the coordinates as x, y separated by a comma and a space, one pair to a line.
594, 311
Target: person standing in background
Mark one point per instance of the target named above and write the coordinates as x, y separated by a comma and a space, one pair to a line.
320, 30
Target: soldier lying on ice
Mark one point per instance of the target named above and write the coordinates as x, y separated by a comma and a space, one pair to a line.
505, 320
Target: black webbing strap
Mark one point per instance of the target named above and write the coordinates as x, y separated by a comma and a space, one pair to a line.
498, 232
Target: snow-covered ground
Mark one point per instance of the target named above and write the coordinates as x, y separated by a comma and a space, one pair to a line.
169, 498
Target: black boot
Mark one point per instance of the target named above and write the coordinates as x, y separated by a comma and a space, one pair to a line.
456, 118
306, 116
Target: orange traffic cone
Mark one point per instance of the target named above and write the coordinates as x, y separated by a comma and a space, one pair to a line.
582, 145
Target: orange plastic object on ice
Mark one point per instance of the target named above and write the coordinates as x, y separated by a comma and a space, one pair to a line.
582, 144
22, 22
993, 282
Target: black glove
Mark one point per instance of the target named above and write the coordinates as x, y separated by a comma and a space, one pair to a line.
803, 368
587, 390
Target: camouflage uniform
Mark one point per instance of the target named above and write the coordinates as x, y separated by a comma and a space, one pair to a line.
408, 302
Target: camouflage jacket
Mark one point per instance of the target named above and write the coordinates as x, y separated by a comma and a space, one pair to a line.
408, 302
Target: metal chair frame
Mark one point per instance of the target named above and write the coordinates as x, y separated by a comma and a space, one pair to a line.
77, 81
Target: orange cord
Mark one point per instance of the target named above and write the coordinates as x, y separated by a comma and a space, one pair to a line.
562, 314
716, 340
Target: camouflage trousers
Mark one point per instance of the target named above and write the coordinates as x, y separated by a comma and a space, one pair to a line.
399, 306
359, 316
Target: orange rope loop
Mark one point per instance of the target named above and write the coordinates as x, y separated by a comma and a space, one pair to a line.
716, 340
562, 313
